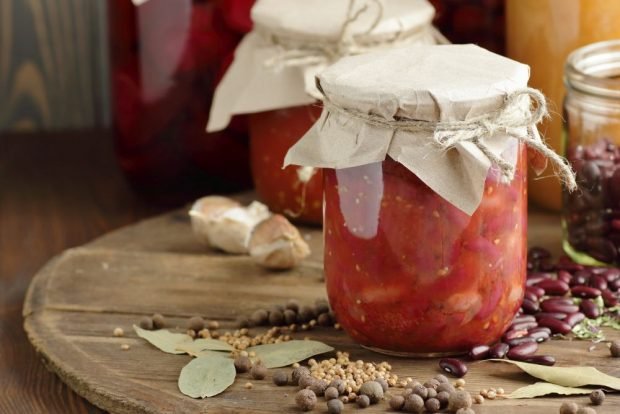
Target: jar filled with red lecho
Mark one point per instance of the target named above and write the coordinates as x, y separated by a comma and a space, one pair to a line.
272, 79
424, 157
591, 216
166, 58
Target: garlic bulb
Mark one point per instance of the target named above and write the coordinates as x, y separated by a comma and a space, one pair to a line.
276, 244
224, 224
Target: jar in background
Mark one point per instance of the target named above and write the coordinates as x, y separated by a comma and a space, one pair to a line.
541, 34
591, 216
166, 57
472, 21
424, 223
272, 80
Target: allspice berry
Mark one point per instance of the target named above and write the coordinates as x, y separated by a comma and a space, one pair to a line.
306, 381
331, 393
298, 373
290, 317
146, 323
318, 386
569, 408
397, 402
413, 404
446, 386
586, 410
276, 317
280, 378
465, 411
459, 399
335, 406
441, 378
373, 390
339, 385
420, 390
362, 401
432, 405
614, 349
293, 305
443, 397
597, 397
259, 317
258, 371
158, 321
431, 393
305, 400
196, 323
242, 364
383, 384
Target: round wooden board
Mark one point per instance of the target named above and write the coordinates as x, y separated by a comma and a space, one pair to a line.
78, 298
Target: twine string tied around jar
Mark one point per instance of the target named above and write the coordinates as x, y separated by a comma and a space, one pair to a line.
514, 115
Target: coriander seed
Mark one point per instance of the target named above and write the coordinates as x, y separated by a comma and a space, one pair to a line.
597, 397
280, 378
491, 395
158, 320
305, 400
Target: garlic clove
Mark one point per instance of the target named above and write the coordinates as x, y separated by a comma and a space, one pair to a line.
227, 225
276, 244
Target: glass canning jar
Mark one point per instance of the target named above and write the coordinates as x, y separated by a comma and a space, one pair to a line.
409, 273
591, 215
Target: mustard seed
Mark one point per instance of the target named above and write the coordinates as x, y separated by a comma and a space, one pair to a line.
614, 349
258, 371
196, 323
259, 317
478, 399
248, 385
204, 333
500, 391
191, 333
459, 382
125, 347
298, 373
118, 332
331, 393
335, 406
597, 397
459, 399
373, 390
243, 364
305, 400
432, 405
443, 397
569, 408
146, 323
158, 321
397, 402
413, 404
280, 378
362, 401
491, 395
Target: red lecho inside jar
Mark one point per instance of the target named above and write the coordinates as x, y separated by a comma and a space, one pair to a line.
409, 273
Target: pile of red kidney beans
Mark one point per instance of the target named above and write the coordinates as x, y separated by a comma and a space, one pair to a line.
548, 307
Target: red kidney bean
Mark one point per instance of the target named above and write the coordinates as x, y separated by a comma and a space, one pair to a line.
555, 325
530, 295
598, 282
453, 366
540, 360
524, 318
529, 306
574, 318
534, 280
518, 341
540, 329
565, 263
514, 333
615, 285
479, 352
590, 309
539, 336
560, 300
498, 350
564, 276
554, 287
597, 270
585, 292
549, 306
554, 315
523, 350
611, 274
539, 292
609, 299
538, 253
580, 277
523, 326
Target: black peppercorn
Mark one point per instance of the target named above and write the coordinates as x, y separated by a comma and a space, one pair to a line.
324, 319
242, 364
196, 323
158, 321
146, 323
260, 317
258, 371
293, 305
597, 397
290, 317
280, 378
305, 399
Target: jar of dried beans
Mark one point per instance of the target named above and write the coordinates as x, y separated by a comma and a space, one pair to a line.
591, 216
423, 150
272, 78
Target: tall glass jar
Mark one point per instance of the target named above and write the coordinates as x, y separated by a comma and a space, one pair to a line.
591, 216
541, 34
166, 58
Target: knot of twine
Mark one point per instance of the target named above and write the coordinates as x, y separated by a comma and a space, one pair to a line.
511, 118
295, 53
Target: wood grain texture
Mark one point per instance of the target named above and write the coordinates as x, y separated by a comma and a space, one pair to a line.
53, 64
76, 301
56, 191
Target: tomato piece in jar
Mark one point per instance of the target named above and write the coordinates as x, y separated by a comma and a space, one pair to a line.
407, 272
272, 133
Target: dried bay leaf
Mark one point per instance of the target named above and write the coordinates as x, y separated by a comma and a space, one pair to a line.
286, 353
207, 375
163, 339
203, 344
540, 389
567, 376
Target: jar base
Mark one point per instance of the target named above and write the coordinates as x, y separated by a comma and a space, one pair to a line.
581, 258
419, 355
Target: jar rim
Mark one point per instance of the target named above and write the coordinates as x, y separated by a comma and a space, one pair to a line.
594, 69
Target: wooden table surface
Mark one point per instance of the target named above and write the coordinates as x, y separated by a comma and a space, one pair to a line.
56, 191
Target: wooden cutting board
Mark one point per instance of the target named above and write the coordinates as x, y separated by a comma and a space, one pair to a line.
78, 298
